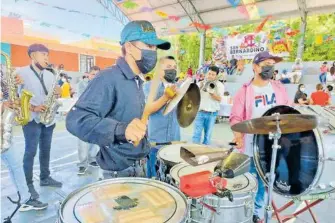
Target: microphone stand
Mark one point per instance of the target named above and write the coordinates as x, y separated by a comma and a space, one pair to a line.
271, 175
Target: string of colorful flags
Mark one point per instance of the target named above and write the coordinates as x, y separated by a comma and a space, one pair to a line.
30, 19
75, 11
246, 7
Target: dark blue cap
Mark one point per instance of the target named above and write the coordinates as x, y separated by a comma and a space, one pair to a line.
265, 56
37, 48
142, 31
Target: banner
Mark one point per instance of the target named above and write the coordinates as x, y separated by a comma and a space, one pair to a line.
246, 46
219, 49
278, 43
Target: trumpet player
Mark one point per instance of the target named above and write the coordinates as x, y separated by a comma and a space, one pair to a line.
8, 158
211, 91
39, 81
162, 128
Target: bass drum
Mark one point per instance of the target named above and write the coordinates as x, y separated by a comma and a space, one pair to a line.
125, 200
305, 162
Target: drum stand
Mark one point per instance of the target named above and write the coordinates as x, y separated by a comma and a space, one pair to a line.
18, 205
309, 200
271, 176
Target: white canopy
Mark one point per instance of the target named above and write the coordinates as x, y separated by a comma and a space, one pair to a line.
216, 13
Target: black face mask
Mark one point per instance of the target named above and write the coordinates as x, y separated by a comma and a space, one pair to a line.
148, 60
267, 72
38, 65
170, 75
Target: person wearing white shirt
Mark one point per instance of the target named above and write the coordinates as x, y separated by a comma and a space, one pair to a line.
39, 81
295, 76
211, 91
284, 79
87, 151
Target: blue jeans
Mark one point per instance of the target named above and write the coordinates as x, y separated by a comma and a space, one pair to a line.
151, 163
87, 153
323, 78
9, 158
204, 121
37, 134
285, 81
259, 199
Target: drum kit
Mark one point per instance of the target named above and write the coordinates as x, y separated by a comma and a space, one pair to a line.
292, 155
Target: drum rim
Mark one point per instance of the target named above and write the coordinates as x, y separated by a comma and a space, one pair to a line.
121, 180
319, 170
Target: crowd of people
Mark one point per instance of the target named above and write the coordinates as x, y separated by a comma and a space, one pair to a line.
107, 121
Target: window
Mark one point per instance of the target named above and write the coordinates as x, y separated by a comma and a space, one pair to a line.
86, 62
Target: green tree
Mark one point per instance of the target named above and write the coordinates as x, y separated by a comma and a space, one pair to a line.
186, 47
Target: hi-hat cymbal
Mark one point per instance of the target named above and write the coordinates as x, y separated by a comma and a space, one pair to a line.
188, 107
291, 123
179, 95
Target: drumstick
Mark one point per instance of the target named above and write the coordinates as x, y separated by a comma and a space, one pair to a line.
151, 97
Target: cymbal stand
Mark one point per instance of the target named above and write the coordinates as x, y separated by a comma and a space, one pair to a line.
271, 175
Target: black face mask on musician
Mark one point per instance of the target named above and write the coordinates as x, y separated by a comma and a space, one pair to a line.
170, 75
267, 72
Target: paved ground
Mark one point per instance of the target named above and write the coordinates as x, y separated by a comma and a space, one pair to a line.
63, 165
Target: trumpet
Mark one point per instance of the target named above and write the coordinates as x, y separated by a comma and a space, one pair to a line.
210, 87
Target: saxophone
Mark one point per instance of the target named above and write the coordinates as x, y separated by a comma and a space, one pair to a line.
19, 114
51, 102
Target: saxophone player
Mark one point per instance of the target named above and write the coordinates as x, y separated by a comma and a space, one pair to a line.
39, 81
8, 157
212, 91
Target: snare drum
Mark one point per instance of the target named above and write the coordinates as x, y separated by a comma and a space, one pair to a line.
305, 163
125, 200
240, 210
168, 156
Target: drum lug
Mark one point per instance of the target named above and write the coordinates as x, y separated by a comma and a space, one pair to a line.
248, 208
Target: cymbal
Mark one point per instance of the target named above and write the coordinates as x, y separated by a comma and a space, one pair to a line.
188, 107
290, 123
179, 95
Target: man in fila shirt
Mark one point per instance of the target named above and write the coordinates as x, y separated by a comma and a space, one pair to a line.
252, 101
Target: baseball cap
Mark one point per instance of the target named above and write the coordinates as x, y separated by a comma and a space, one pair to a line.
143, 31
265, 56
37, 48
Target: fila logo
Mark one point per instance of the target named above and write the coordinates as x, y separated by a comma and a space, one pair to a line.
265, 100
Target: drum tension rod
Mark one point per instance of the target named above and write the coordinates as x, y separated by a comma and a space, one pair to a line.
225, 193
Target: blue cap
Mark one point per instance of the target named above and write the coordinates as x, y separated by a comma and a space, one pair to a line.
265, 56
37, 48
142, 31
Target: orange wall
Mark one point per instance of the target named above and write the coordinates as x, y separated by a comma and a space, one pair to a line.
69, 60
103, 62
20, 58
